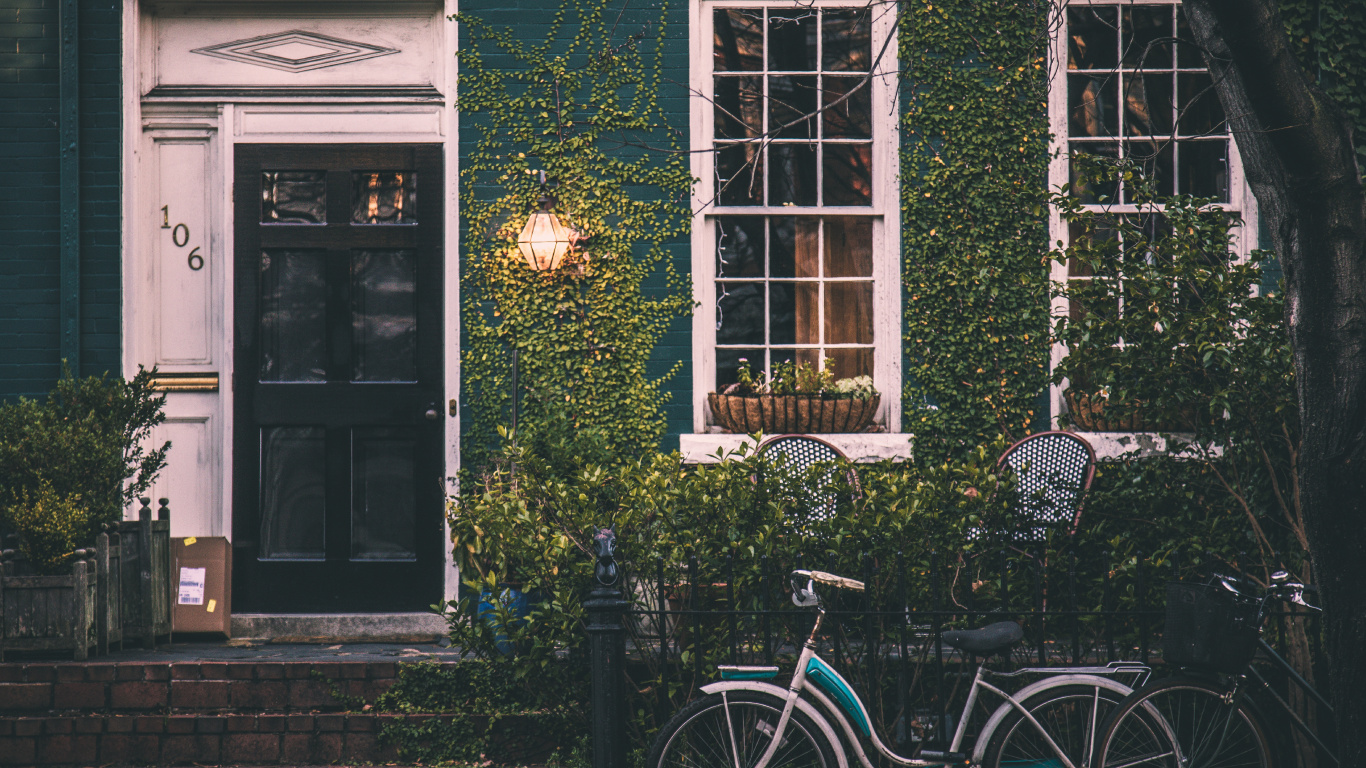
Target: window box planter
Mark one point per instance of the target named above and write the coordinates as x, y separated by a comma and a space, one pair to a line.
782, 414
1091, 412
49, 613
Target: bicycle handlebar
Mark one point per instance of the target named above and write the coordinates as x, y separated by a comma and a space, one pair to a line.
1281, 588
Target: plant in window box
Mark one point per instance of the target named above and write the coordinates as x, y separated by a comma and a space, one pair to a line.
795, 397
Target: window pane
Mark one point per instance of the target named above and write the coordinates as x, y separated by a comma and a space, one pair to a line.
848, 363
1155, 158
384, 197
1147, 37
1091, 105
851, 118
738, 107
739, 247
782, 313
739, 175
792, 174
846, 40
1200, 113
792, 103
1187, 52
738, 39
848, 174
382, 503
793, 247
849, 313
728, 361
808, 312
384, 316
293, 493
1092, 38
1148, 105
1102, 239
848, 246
1094, 192
739, 313
1204, 169
293, 295
294, 197
792, 40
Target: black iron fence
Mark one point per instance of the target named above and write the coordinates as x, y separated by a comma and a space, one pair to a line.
659, 629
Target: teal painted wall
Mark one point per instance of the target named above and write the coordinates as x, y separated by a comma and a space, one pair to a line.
528, 20
30, 357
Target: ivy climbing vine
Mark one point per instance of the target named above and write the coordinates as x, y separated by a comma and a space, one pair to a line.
1329, 38
974, 219
584, 107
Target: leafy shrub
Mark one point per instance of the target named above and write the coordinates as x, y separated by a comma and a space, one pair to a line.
54, 526
87, 441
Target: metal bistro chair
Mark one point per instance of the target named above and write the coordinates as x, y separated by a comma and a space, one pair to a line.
795, 455
1053, 471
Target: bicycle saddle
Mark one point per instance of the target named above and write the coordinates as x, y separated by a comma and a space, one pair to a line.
993, 638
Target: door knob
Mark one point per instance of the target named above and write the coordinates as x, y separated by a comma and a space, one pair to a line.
432, 414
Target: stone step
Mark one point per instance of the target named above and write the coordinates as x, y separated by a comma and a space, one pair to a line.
241, 687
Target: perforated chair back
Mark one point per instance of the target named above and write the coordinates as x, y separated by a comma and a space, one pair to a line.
1053, 471
794, 456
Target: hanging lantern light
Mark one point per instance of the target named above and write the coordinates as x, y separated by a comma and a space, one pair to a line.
544, 241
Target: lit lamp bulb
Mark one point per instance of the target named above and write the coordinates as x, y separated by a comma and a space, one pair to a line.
544, 241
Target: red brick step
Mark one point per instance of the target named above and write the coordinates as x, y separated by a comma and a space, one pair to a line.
172, 713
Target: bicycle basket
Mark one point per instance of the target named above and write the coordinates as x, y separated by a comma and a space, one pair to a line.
1210, 628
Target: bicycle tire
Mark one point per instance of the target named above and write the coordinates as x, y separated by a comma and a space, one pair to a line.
1073, 716
1184, 723
691, 736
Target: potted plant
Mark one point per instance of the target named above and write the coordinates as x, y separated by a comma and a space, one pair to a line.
69, 466
796, 397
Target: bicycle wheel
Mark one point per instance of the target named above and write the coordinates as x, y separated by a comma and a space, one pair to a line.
709, 732
1183, 723
1071, 714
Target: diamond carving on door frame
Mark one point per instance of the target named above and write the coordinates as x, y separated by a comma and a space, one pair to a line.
295, 51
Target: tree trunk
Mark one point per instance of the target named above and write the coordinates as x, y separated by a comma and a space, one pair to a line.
1297, 152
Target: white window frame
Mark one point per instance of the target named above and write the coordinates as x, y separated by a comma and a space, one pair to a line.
885, 210
1240, 198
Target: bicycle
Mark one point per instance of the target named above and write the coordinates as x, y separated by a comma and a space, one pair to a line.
746, 721
1204, 717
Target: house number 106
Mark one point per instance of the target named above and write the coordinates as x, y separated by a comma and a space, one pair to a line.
180, 235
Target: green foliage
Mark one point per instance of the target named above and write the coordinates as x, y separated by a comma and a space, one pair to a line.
1329, 38
89, 441
495, 716
534, 528
583, 106
974, 219
1172, 325
53, 527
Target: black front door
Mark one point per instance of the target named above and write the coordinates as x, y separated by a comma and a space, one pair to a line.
338, 364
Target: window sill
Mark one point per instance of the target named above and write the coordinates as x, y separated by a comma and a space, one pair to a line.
1112, 446
859, 447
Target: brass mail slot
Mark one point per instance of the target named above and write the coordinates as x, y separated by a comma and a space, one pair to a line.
185, 382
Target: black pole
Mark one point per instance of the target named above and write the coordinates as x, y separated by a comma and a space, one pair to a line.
607, 655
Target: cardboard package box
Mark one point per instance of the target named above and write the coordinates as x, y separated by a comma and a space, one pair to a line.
203, 580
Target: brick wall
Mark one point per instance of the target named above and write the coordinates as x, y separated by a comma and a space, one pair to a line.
29, 211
